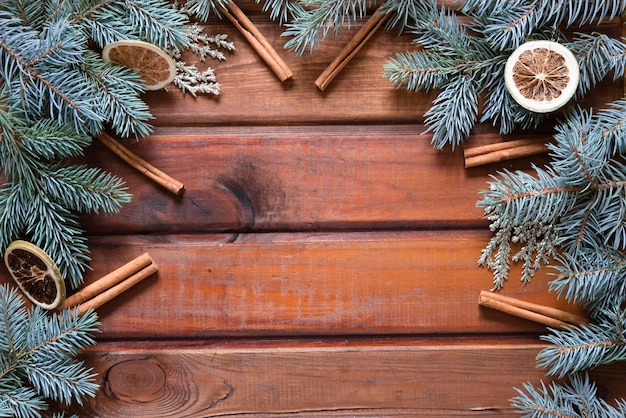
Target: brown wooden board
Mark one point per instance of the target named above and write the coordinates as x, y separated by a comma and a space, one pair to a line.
320, 378
308, 284
299, 179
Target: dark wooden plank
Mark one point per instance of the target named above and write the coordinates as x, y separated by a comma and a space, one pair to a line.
319, 378
308, 284
297, 178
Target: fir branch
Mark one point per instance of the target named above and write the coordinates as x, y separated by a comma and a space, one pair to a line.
13, 322
62, 380
38, 357
205, 8
57, 231
497, 28
47, 140
29, 12
40, 194
16, 401
61, 333
521, 198
458, 98
281, 10
597, 54
611, 123
38, 74
583, 347
313, 24
117, 91
404, 13
591, 277
417, 71
509, 24
500, 107
576, 398
85, 189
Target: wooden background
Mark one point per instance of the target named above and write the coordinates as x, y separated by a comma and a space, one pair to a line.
322, 260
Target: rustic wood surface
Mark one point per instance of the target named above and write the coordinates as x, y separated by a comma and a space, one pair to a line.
322, 259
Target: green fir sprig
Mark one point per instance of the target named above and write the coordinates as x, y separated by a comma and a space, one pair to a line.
39, 368
575, 399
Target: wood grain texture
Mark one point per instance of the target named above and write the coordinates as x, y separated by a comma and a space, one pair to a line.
320, 378
309, 284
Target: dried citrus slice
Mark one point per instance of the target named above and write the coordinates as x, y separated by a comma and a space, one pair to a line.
154, 65
542, 76
35, 273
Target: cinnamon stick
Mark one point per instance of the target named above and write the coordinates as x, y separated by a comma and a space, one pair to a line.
108, 281
534, 312
492, 153
153, 173
351, 49
116, 290
256, 39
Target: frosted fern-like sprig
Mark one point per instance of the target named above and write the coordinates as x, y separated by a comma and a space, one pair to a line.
204, 45
536, 246
190, 79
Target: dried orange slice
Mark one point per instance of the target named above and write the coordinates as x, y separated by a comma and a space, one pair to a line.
154, 65
35, 273
542, 76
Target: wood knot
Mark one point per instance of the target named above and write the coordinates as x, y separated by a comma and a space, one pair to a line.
136, 381
163, 385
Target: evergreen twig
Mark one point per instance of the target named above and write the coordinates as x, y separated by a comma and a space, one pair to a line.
38, 365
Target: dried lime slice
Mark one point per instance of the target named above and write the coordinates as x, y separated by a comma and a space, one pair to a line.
35, 273
542, 76
154, 65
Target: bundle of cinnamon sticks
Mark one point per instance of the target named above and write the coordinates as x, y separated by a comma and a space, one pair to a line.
546, 315
501, 151
111, 285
